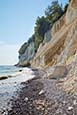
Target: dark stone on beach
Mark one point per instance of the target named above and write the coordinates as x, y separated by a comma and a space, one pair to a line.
20, 70
34, 69
10, 76
3, 77
29, 102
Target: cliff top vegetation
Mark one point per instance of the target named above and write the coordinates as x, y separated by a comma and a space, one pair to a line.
44, 23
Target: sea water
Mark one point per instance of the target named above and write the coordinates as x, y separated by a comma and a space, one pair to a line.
8, 69
9, 86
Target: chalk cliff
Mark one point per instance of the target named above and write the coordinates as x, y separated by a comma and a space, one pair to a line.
24, 59
64, 40
59, 56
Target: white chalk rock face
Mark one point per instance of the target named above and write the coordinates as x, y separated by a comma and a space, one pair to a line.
29, 53
71, 12
47, 36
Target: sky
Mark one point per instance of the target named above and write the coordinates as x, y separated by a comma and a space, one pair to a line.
17, 20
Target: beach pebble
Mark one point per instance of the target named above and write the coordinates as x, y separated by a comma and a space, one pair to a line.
74, 102
26, 99
70, 108
41, 92
64, 102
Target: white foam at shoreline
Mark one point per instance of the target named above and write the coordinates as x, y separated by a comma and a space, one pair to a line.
10, 85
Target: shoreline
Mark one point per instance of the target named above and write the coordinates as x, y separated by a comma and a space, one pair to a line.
13, 74
9, 86
40, 96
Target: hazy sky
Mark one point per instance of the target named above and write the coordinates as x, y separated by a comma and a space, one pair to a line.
17, 19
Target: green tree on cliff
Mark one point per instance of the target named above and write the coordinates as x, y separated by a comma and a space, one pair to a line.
41, 27
54, 12
69, 0
31, 39
23, 48
65, 8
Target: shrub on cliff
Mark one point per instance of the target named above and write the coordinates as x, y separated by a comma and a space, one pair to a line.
54, 12
26, 44
23, 48
65, 8
43, 24
41, 27
31, 39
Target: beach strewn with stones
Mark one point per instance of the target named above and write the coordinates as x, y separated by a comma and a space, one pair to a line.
43, 97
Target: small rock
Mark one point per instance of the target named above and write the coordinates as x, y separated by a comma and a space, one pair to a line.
74, 102
41, 92
26, 99
20, 70
59, 111
43, 109
64, 102
70, 108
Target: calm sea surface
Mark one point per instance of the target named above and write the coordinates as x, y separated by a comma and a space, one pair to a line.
7, 70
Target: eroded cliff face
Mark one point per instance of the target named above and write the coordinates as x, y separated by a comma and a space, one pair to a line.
59, 56
27, 56
64, 39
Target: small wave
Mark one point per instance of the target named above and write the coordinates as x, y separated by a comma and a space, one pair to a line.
8, 70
